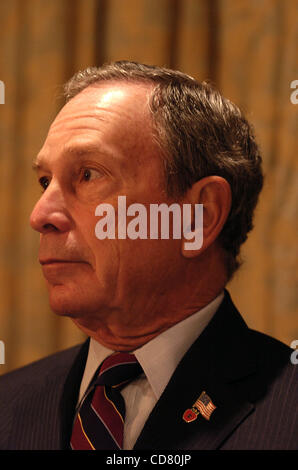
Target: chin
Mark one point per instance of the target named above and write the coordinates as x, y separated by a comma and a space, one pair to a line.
72, 304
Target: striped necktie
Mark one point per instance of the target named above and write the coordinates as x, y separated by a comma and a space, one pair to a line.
99, 423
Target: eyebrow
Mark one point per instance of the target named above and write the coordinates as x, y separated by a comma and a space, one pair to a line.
78, 150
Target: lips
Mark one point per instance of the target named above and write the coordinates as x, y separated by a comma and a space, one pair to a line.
49, 261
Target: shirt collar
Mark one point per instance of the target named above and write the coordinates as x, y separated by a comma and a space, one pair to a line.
160, 356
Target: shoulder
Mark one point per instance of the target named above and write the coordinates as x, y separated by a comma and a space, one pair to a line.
37, 373
275, 372
275, 364
31, 398
270, 348
276, 368
250, 344
273, 391
258, 370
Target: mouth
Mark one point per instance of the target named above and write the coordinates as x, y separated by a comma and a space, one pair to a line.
49, 261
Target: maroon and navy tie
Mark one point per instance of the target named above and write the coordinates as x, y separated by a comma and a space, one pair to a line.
99, 423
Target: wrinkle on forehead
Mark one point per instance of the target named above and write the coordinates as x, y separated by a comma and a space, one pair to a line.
105, 102
116, 114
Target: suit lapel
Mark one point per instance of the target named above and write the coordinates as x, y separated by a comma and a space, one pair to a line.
219, 363
70, 394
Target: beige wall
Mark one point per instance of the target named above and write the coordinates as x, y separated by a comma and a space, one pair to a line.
248, 48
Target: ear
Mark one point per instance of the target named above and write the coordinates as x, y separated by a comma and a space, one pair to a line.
214, 193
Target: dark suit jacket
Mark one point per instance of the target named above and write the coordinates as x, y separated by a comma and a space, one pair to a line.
248, 375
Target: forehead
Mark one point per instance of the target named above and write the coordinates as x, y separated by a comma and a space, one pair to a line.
109, 115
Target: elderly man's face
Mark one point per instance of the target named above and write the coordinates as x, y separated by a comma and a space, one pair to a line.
100, 146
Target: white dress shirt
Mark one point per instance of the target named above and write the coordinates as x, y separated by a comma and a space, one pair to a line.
159, 359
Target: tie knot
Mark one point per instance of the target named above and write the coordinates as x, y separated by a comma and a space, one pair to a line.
118, 369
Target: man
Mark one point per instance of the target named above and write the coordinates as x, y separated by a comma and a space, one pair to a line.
205, 380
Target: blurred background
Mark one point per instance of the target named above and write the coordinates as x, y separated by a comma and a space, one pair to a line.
248, 48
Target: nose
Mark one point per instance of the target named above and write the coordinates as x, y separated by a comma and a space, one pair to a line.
50, 213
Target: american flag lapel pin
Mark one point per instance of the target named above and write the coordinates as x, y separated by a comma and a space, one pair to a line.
202, 405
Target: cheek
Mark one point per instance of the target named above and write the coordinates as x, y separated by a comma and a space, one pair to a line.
107, 260
130, 265
119, 266
85, 233
137, 264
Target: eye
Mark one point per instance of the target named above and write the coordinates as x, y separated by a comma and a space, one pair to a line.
90, 174
44, 182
